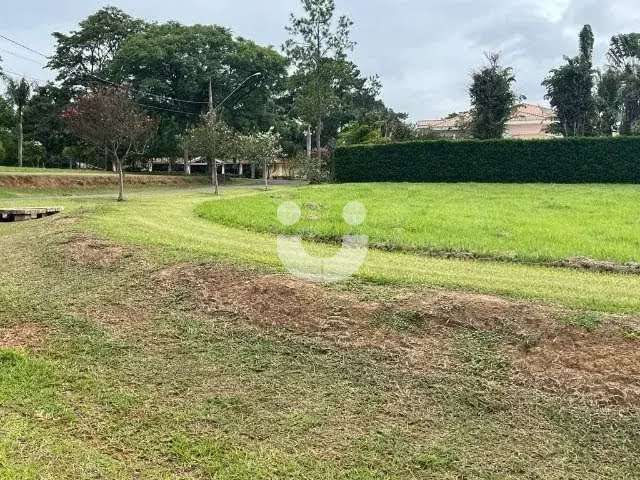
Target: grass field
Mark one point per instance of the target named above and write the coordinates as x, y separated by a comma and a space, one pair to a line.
140, 340
519, 222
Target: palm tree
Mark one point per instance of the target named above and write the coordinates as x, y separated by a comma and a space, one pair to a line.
624, 56
19, 93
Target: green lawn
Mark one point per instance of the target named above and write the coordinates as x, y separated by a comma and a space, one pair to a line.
166, 220
520, 222
126, 369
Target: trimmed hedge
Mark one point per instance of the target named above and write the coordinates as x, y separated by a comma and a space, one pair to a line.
571, 160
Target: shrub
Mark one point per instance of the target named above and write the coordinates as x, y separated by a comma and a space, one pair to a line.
571, 160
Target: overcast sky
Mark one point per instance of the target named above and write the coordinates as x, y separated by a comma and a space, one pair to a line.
423, 50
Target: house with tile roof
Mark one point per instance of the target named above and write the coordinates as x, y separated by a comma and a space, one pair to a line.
529, 121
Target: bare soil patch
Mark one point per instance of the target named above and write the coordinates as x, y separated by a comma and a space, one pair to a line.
36, 182
545, 352
92, 252
288, 304
22, 336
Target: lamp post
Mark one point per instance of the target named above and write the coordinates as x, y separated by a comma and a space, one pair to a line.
213, 109
236, 90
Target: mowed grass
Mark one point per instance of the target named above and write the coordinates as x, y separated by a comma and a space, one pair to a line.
169, 224
166, 222
129, 379
536, 223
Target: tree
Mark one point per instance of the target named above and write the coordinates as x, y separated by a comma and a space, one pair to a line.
570, 90
110, 118
624, 57
213, 139
261, 148
608, 102
86, 53
492, 99
43, 120
317, 47
379, 126
19, 92
170, 61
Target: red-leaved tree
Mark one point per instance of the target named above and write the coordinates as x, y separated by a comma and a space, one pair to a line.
109, 118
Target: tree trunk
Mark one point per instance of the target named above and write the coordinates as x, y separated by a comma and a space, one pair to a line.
319, 141
213, 175
120, 180
266, 175
253, 170
309, 148
170, 168
20, 138
187, 164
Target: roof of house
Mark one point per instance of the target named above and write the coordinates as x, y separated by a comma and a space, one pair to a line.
524, 112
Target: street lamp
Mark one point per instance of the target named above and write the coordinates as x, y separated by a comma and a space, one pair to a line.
238, 88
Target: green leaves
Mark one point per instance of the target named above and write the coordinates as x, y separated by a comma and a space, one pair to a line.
492, 99
570, 90
575, 160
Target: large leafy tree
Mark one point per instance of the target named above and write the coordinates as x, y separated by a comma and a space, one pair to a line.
608, 102
570, 90
43, 120
19, 92
173, 61
86, 53
108, 117
317, 47
7, 121
624, 57
492, 99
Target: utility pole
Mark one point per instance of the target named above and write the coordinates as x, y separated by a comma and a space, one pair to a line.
210, 94
213, 165
309, 141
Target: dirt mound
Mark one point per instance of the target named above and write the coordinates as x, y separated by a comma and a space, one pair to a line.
602, 364
585, 263
92, 252
419, 328
79, 181
22, 336
285, 303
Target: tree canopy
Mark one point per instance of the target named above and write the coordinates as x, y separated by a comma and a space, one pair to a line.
88, 51
492, 99
570, 90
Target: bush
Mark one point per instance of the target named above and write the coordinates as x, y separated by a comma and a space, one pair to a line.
572, 160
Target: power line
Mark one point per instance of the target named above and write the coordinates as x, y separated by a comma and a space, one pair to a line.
15, 42
20, 56
149, 94
166, 109
22, 75
160, 97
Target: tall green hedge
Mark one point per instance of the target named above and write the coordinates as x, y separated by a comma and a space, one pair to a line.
573, 160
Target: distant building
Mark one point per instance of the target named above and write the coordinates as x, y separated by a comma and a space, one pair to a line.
529, 121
